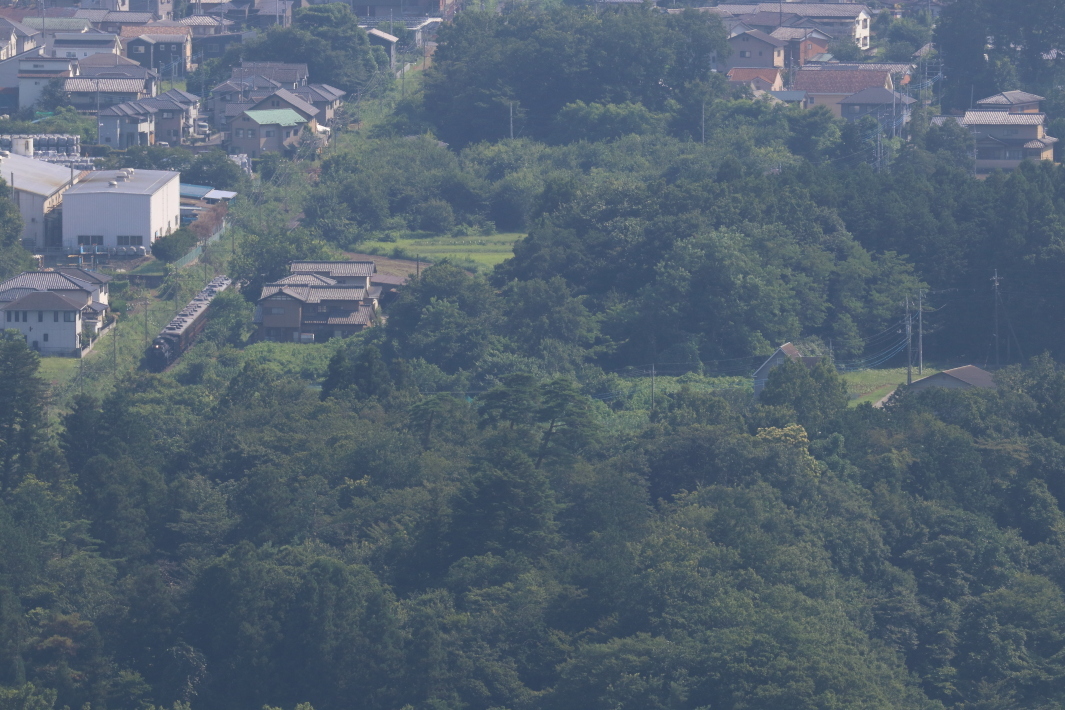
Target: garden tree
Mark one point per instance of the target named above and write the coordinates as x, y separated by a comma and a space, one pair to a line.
812, 396
22, 423
263, 255
595, 122
214, 168
13, 258
542, 317
328, 39
361, 369
175, 245
152, 157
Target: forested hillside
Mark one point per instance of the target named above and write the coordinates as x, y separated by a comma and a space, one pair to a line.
479, 504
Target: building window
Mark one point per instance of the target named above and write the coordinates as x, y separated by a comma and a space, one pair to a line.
323, 308
9, 316
55, 316
70, 316
268, 133
168, 114
88, 240
276, 311
40, 316
745, 54
238, 133
129, 241
137, 49
251, 133
45, 337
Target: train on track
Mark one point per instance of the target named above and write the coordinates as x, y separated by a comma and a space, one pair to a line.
181, 332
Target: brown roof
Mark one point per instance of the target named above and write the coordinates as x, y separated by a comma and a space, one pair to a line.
767, 74
155, 30
838, 82
972, 375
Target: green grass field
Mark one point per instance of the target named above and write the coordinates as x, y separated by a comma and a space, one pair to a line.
471, 252
873, 385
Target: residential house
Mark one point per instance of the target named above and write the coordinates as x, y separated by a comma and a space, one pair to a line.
168, 50
1012, 102
90, 94
755, 48
50, 323
37, 190
245, 91
829, 88
889, 108
803, 43
388, 42
307, 307
26, 38
966, 377
35, 71
761, 79
114, 66
842, 19
8, 43
793, 98
283, 98
901, 72
49, 27
265, 13
128, 124
386, 9
160, 9
289, 76
103, 5
349, 273
325, 98
114, 21
81, 285
267, 131
205, 25
1005, 139
78, 45
213, 46
785, 352
121, 211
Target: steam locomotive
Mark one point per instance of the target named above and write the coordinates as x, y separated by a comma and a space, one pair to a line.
180, 333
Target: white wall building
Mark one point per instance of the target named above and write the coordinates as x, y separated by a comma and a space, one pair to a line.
37, 189
50, 323
121, 210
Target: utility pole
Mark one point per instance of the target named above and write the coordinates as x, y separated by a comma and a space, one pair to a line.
703, 123
146, 320
920, 332
995, 280
114, 348
511, 120
909, 344
652, 387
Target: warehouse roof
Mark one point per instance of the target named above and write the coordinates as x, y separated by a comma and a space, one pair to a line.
34, 176
138, 182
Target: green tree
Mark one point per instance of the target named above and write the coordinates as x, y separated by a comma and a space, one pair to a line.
22, 397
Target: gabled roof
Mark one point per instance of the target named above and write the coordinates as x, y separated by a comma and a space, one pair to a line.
42, 300
47, 281
161, 37
878, 95
817, 81
761, 36
307, 280
334, 268
35, 176
765, 19
20, 29
797, 33
82, 38
275, 117
893, 67
86, 275
70, 24
276, 71
202, 21
969, 374
1010, 98
118, 16
1003, 118
117, 86
105, 59
181, 97
789, 96
296, 102
130, 108
768, 74
319, 92
155, 29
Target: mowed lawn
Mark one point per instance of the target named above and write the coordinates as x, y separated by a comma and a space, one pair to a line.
483, 252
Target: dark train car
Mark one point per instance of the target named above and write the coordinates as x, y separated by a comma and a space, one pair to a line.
180, 333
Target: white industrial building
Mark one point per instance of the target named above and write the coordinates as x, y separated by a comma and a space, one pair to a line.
123, 211
37, 188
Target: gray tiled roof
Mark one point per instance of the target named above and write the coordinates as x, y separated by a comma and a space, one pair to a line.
43, 300
46, 281
1009, 98
87, 85
1003, 118
334, 268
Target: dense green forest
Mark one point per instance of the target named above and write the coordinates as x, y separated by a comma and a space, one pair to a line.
474, 506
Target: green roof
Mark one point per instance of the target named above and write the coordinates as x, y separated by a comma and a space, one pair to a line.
57, 23
276, 116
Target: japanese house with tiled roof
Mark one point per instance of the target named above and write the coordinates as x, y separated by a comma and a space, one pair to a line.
309, 305
1009, 128
830, 87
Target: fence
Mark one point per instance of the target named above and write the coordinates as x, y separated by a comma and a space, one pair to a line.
198, 249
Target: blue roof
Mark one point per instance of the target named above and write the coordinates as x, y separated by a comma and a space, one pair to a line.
194, 191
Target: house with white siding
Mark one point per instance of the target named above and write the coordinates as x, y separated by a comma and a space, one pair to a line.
51, 323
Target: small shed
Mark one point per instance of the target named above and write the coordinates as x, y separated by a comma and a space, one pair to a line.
959, 378
386, 41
